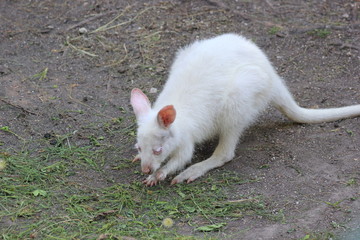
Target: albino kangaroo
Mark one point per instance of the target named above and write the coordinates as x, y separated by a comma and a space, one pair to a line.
216, 87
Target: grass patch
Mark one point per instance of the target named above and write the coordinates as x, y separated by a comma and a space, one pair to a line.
351, 182
7, 130
318, 236
40, 197
321, 33
274, 30
41, 75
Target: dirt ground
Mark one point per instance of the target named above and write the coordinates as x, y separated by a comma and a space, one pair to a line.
66, 68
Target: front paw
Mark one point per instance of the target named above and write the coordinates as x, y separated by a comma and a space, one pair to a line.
150, 181
180, 179
189, 175
160, 175
155, 178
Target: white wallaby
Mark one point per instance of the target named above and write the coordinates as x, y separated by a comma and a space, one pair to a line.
216, 87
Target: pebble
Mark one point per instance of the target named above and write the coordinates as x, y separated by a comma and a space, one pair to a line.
83, 30
153, 90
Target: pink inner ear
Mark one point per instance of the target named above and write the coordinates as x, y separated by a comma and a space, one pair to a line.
166, 116
140, 102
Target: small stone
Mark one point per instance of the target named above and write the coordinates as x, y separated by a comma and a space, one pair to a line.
48, 135
345, 16
83, 30
153, 90
53, 142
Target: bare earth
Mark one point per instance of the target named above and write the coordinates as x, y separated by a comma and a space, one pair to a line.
309, 172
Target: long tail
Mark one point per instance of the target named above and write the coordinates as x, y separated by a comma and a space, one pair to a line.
284, 102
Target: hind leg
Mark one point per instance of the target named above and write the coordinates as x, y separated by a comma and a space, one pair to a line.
248, 95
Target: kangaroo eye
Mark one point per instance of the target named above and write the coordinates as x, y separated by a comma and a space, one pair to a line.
157, 151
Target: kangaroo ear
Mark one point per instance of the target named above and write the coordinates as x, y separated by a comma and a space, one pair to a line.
140, 103
166, 116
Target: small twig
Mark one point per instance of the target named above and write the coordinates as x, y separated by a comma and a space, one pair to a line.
105, 27
217, 3
120, 61
89, 20
108, 86
242, 200
270, 4
18, 107
200, 209
6, 129
344, 45
152, 34
80, 50
354, 10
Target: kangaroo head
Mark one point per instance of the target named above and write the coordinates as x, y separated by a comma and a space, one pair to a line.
154, 134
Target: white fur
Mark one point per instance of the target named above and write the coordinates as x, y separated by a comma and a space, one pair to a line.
217, 87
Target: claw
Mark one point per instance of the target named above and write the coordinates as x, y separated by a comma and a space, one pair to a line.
190, 180
137, 158
174, 181
150, 182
